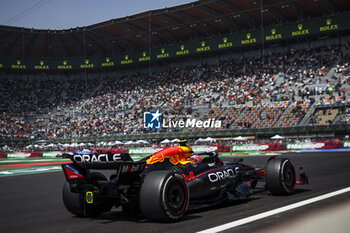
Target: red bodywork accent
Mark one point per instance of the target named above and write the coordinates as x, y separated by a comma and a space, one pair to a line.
261, 172
71, 174
206, 172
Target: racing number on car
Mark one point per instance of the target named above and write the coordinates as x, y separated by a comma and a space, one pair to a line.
89, 197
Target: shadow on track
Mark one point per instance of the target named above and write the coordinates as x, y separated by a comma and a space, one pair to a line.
194, 212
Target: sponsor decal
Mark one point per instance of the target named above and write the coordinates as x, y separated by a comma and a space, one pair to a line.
274, 35
199, 149
144, 57
133, 168
93, 158
249, 39
65, 66
87, 64
301, 31
250, 147
189, 177
152, 150
203, 48
305, 145
41, 66
127, 60
221, 175
162, 54
329, 26
182, 51
144, 150
18, 65
19, 155
52, 153
89, 197
226, 44
107, 63
71, 172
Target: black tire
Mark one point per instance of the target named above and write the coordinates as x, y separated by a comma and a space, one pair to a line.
75, 202
280, 176
95, 177
164, 196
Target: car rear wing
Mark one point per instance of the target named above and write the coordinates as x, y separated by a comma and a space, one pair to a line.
98, 160
81, 163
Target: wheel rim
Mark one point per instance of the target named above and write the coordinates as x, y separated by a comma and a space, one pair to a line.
176, 197
289, 177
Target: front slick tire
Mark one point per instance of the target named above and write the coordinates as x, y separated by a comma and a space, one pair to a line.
164, 196
280, 176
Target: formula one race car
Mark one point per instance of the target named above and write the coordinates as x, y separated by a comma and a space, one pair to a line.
162, 186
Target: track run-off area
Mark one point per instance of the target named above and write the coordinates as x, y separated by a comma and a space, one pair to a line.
33, 203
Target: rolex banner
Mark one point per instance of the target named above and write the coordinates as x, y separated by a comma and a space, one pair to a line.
268, 35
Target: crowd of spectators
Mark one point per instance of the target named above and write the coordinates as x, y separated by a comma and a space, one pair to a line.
110, 106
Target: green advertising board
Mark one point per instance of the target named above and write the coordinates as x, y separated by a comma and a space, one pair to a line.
251, 38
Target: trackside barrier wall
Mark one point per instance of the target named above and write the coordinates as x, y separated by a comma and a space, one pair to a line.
25, 155
346, 144
196, 149
259, 147
291, 146
314, 145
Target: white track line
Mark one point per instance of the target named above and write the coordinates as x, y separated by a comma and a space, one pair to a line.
273, 212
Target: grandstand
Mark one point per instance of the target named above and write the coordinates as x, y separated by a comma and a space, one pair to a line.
260, 67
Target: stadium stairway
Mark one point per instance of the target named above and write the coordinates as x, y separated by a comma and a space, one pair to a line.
294, 114
308, 114
234, 113
279, 78
64, 93
88, 99
338, 119
285, 115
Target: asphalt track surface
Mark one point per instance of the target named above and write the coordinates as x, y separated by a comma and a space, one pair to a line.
33, 203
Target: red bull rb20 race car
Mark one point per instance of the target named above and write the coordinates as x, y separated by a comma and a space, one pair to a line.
163, 186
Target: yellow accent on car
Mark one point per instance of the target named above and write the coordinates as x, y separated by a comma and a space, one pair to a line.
89, 197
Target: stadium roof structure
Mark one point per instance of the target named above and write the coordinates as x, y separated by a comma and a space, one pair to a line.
196, 20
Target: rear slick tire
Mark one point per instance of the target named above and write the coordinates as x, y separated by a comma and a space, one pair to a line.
280, 176
75, 202
164, 196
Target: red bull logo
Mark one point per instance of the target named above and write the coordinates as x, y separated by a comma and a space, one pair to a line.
178, 154
189, 177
